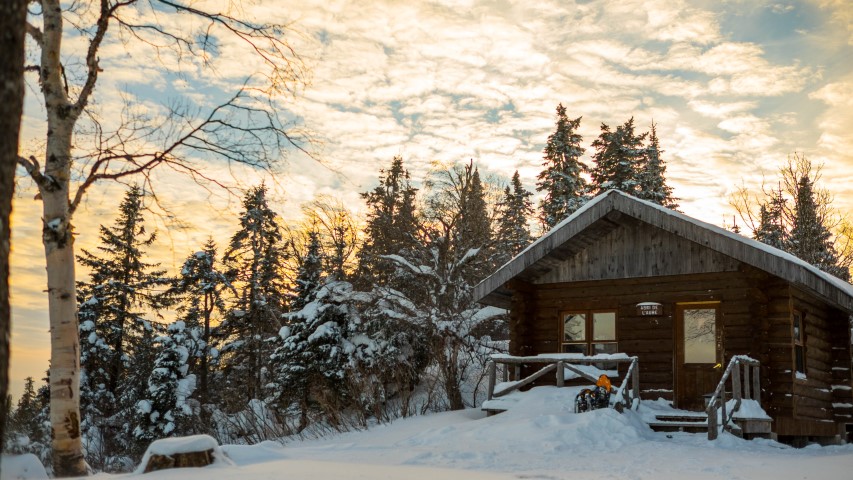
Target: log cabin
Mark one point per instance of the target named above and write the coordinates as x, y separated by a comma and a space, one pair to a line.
625, 275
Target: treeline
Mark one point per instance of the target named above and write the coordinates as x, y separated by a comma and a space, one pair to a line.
322, 326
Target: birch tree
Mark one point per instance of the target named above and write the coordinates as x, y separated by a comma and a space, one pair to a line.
243, 129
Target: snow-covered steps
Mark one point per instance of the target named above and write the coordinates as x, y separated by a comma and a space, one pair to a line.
680, 422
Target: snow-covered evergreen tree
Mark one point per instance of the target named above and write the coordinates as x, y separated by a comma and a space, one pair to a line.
652, 176
309, 273
771, 222
114, 332
561, 180
391, 225
165, 410
513, 231
810, 239
253, 262
474, 229
201, 288
619, 158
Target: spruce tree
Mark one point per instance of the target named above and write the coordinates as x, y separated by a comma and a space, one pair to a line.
201, 288
116, 338
618, 158
652, 177
253, 262
771, 222
810, 239
164, 410
391, 224
561, 181
309, 273
26, 419
474, 232
513, 231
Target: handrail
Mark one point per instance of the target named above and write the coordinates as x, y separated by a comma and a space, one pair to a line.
630, 398
747, 387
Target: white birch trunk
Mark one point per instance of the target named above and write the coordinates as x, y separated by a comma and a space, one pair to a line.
59, 255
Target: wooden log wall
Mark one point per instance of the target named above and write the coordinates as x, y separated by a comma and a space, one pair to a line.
649, 338
821, 395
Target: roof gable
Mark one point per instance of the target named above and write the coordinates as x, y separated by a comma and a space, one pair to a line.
602, 215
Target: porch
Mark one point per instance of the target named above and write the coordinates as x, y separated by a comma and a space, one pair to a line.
735, 405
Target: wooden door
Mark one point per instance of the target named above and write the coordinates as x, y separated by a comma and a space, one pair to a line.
698, 353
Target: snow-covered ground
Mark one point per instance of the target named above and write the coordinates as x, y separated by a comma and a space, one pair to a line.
540, 438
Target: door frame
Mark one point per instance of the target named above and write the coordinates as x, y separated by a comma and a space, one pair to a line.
678, 374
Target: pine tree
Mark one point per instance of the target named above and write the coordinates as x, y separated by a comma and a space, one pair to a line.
114, 333
561, 181
164, 411
618, 158
513, 232
27, 419
391, 224
652, 177
810, 239
771, 222
474, 232
201, 288
309, 273
253, 261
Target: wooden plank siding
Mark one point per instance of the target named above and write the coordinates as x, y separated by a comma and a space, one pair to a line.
638, 250
649, 338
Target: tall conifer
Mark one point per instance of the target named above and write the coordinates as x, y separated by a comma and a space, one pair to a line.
513, 231
561, 181
652, 176
618, 158
253, 262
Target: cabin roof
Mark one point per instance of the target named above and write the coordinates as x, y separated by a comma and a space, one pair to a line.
600, 216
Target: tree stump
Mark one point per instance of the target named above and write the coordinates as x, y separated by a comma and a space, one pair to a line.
179, 460
181, 452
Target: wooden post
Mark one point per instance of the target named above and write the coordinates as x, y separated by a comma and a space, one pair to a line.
492, 374
747, 385
516, 373
756, 384
505, 373
723, 407
712, 424
635, 381
561, 374
736, 384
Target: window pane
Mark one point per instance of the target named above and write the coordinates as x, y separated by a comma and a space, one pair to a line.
700, 335
574, 327
797, 334
799, 359
574, 348
604, 326
604, 348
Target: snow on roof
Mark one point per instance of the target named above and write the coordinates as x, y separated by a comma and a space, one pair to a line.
611, 195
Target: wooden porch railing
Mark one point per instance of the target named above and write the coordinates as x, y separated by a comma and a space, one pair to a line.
625, 397
744, 387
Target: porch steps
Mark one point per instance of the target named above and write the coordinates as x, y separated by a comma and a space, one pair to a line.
690, 423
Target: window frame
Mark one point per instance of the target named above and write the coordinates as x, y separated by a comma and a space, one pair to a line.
798, 325
589, 332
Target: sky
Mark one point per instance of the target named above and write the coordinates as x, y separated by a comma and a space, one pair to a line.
733, 86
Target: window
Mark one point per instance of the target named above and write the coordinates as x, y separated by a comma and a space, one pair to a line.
700, 335
589, 332
799, 335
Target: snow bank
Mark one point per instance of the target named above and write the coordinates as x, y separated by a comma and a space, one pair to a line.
22, 467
